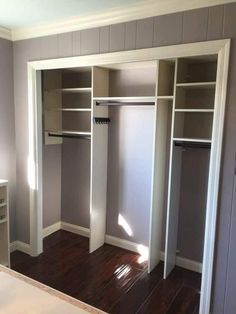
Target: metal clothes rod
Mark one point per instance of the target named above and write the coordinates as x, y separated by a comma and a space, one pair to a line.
192, 144
83, 137
122, 103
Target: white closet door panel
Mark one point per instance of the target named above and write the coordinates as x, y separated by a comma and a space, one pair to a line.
173, 211
159, 174
98, 181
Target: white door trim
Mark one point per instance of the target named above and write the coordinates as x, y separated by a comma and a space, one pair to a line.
220, 47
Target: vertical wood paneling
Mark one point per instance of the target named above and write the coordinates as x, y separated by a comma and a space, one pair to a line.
144, 33
229, 28
49, 47
76, 43
104, 39
195, 25
65, 45
215, 23
117, 37
130, 35
230, 300
226, 187
168, 29
90, 41
34, 46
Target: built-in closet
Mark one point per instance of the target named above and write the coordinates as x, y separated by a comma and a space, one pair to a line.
136, 138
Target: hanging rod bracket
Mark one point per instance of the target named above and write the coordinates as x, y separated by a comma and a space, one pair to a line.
98, 120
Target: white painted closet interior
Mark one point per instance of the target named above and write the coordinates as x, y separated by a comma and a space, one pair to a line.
180, 95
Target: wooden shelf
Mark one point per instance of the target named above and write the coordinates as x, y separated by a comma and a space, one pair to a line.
3, 204
195, 110
197, 85
194, 140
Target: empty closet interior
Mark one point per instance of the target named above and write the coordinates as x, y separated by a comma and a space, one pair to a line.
127, 152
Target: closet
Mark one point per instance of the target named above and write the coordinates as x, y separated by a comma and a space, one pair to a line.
136, 145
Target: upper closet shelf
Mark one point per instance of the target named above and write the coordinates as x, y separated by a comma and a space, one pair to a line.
197, 85
75, 90
194, 140
165, 97
148, 100
194, 110
76, 109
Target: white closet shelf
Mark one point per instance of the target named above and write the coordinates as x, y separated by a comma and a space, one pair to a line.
166, 97
75, 90
3, 204
68, 132
3, 220
194, 140
76, 109
197, 85
195, 110
135, 99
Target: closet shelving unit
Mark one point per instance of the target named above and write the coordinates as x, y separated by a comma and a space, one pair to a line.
193, 114
4, 224
67, 104
182, 95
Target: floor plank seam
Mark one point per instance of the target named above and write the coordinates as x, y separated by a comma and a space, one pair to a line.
149, 296
117, 301
175, 296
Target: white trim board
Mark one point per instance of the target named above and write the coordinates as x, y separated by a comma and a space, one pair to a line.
20, 246
219, 47
116, 15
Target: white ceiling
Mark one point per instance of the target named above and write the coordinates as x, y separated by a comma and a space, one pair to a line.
27, 13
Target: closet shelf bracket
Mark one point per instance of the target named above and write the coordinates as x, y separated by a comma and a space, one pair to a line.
98, 120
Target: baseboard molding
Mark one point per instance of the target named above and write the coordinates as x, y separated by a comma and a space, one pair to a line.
75, 229
20, 246
124, 244
186, 263
51, 229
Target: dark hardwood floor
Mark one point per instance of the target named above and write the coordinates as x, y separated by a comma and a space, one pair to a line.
111, 278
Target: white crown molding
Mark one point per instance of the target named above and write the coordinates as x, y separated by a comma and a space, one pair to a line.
5, 33
141, 10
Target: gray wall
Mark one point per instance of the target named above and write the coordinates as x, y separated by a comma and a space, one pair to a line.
190, 26
7, 127
130, 150
51, 184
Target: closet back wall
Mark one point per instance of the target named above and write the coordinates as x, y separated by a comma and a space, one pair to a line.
7, 127
190, 26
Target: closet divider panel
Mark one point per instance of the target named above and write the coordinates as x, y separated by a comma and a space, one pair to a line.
99, 148
163, 108
173, 189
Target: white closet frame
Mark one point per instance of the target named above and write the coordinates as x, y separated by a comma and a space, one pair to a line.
218, 47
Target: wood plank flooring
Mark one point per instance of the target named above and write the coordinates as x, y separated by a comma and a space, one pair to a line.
111, 278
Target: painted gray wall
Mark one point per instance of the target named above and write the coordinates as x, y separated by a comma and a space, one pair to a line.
130, 150
75, 186
7, 127
51, 184
190, 26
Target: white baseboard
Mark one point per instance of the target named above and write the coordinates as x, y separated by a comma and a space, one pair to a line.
124, 244
51, 229
85, 232
186, 263
20, 246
